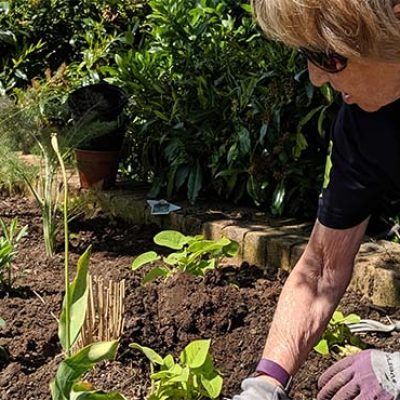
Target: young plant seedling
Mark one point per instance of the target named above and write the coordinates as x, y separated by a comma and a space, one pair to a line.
10, 235
194, 378
195, 255
67, 384
337, 338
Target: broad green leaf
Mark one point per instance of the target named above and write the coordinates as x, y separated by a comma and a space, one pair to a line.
171, 239
337, 317
213, 385
154, 357
144, 258
161, 375
2, 323
307, 118
175, 374
232, 249
181, 374
202, 267
72, 368
78, 290
195, 353
155, 273
352, 319
278, 198
168, 361
181, 176
206, 246
195, 182
80, 391
322, 347
175, 258
246, 7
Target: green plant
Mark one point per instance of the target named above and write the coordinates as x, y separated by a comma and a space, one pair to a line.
194, 378
67, 385
204, 123
196, 255
11, 181
36, 113
10, 235
337, 338
40, 34
31, 119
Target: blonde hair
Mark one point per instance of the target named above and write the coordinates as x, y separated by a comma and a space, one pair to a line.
352, 28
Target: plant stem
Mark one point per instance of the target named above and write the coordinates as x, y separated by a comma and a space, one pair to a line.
48, 217
54, 143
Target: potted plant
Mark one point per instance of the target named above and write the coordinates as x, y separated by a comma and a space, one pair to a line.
99, 121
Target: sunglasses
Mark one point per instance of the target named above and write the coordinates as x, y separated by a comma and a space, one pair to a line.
330, 62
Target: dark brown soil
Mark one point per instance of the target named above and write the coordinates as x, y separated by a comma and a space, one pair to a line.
233, 307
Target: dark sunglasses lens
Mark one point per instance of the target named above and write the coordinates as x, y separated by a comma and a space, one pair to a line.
330, 62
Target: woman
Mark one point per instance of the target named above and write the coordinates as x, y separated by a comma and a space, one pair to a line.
353, 45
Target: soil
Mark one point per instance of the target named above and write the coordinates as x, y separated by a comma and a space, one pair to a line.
232, 306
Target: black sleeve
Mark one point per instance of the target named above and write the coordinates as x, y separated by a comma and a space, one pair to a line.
354, 182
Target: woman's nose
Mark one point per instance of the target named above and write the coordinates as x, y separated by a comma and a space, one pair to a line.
318, 77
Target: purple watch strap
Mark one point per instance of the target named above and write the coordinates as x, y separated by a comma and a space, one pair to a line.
274, 370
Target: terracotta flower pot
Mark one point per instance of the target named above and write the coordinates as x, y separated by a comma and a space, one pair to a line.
97, 168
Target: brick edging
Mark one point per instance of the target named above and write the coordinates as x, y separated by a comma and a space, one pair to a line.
270, 246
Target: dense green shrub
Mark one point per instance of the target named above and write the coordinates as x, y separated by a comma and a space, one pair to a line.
218, 108
40, 34
215, 107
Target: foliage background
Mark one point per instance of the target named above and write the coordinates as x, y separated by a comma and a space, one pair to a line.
215, 108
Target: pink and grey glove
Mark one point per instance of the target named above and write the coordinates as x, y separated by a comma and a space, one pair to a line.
368, 375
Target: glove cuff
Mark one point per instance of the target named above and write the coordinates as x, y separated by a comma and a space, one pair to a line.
274, 370
386, 367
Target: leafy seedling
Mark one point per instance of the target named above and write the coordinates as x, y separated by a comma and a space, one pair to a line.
338, 339
193, 378
10, 235
67, 384
195, 255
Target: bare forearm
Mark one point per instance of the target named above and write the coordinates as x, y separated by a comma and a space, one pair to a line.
310, 296
299, 320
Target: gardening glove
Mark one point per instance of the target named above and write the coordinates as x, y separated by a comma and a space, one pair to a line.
368, 375
259, 389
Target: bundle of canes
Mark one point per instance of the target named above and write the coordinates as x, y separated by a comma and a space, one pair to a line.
104, 316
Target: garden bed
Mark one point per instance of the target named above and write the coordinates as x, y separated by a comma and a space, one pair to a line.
233, 307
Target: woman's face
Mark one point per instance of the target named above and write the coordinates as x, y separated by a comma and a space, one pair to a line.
369, 84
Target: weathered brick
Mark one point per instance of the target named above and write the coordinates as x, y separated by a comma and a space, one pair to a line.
177, 222
279, 250
255, 245
386, 288
192, 225
236, 233
213, 229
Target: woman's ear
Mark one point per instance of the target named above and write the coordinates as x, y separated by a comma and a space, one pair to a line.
396, 10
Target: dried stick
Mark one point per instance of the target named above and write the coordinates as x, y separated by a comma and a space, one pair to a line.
104, 316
